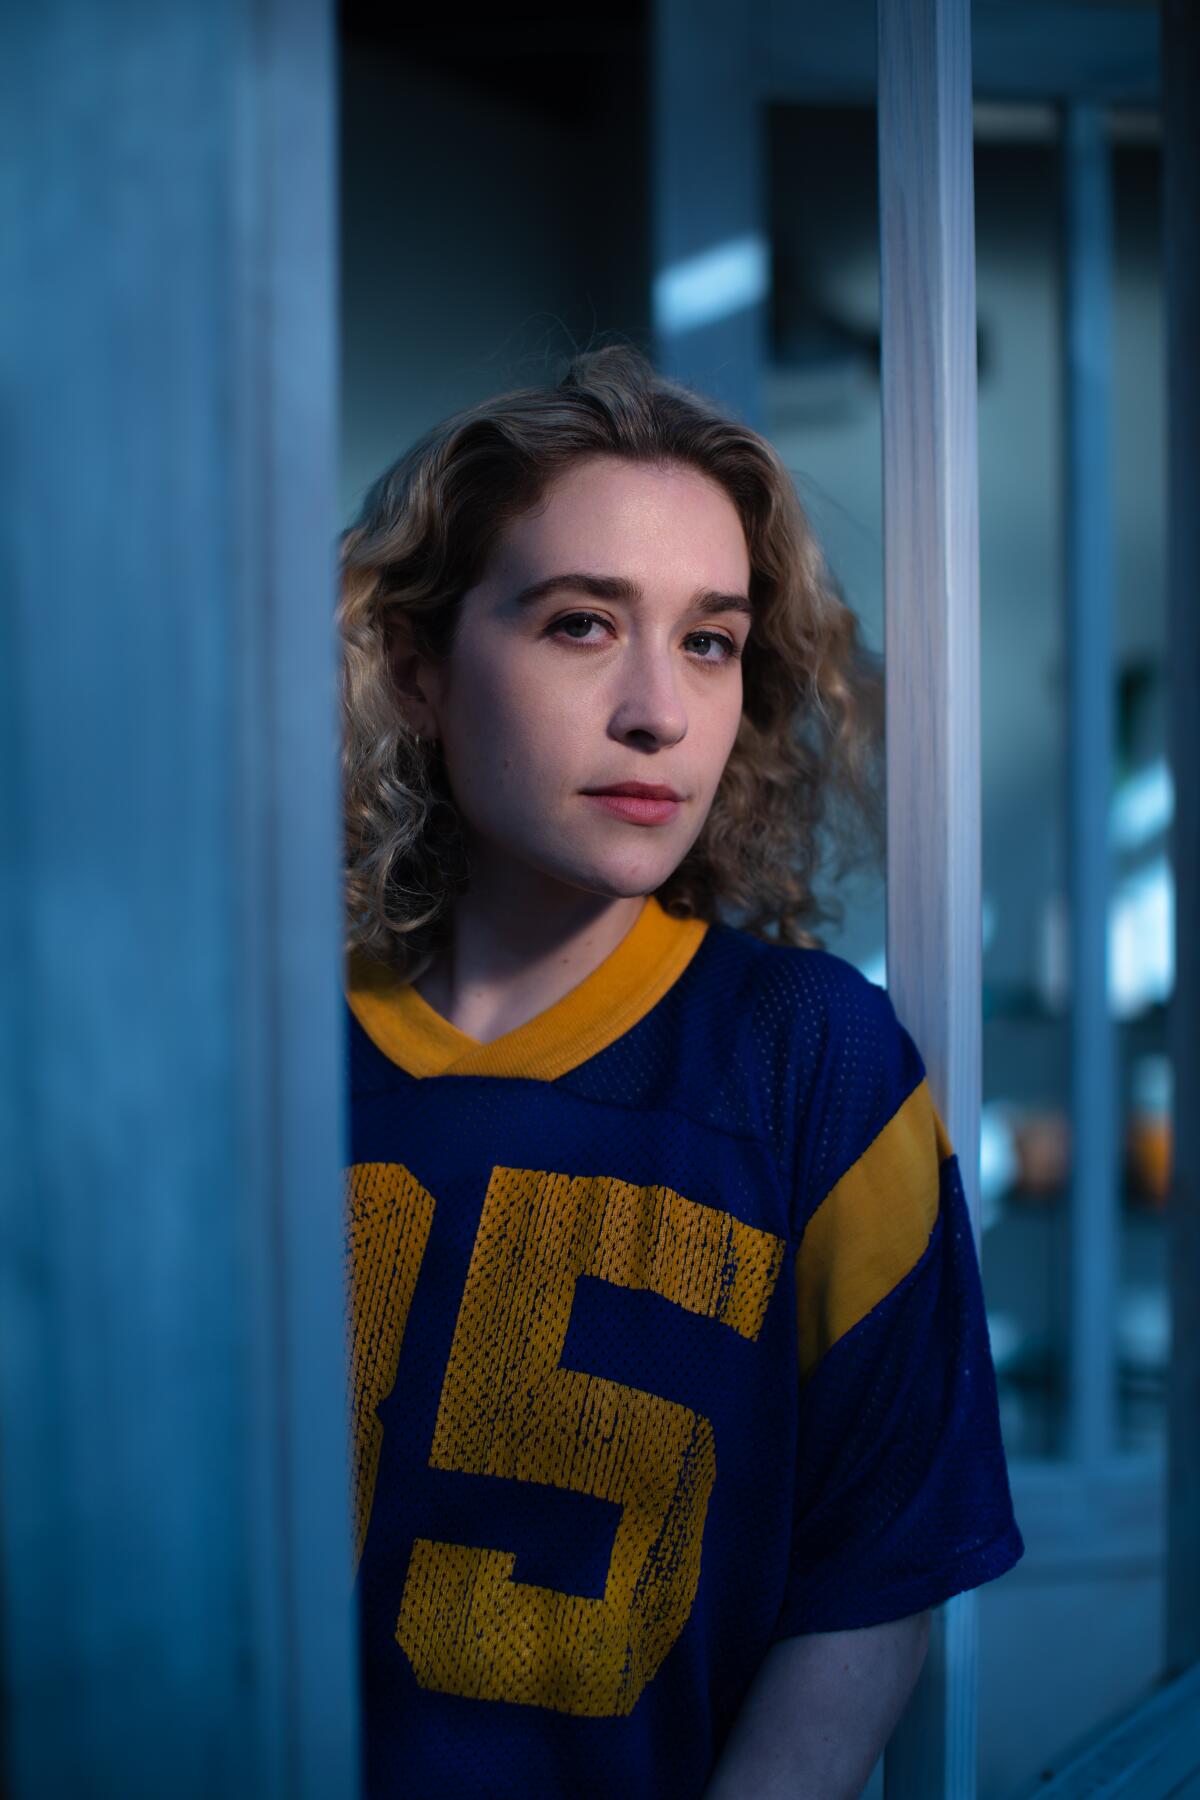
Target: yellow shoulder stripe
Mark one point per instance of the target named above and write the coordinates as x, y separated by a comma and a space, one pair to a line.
871, 1228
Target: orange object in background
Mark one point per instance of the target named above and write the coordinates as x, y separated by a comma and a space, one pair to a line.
1043, 1145
1148, 1135
1148, 1141
1042, 1142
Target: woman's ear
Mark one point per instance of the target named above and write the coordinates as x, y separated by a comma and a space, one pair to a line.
414, 680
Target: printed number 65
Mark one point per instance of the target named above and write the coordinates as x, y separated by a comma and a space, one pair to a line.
507, 1408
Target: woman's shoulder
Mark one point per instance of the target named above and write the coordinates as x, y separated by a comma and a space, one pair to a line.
813, 1024
815, 991
781, 1029
834, 1069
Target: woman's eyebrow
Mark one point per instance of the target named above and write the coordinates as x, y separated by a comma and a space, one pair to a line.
619, 587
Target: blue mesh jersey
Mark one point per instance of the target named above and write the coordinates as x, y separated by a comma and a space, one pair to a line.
667, 1341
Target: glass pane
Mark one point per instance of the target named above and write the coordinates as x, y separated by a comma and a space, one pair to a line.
1026, 1071
1074, 1639
1073, 1636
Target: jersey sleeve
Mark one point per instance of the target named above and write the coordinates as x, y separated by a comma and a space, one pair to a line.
902, 1492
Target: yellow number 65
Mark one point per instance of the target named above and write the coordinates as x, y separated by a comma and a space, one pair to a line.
508, 1409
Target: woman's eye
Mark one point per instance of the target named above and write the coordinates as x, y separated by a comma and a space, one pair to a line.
726, 645
584, 619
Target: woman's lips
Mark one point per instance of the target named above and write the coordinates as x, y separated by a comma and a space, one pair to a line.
636, 808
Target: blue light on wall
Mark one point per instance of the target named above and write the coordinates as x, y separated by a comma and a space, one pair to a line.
719, 282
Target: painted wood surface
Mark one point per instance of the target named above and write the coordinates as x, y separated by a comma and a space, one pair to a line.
175, 1533
931, 599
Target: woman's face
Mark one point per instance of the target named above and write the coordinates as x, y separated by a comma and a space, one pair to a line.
601, 647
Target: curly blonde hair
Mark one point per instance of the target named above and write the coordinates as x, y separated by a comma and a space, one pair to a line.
803, 783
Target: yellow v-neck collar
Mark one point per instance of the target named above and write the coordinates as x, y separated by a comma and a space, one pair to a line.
601, 1008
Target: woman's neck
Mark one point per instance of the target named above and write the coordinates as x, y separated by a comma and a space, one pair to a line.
504, 963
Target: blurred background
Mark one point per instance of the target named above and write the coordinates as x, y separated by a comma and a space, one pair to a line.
512, 190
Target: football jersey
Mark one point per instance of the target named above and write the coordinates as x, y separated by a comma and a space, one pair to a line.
667, 1342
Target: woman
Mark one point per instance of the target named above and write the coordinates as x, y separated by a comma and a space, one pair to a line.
673, 1407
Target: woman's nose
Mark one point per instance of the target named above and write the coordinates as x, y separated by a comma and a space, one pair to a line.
650, 703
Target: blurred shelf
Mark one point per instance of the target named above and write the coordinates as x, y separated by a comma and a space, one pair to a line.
1017, 1001
1026, 1276
1033, 1415
1050, 1203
